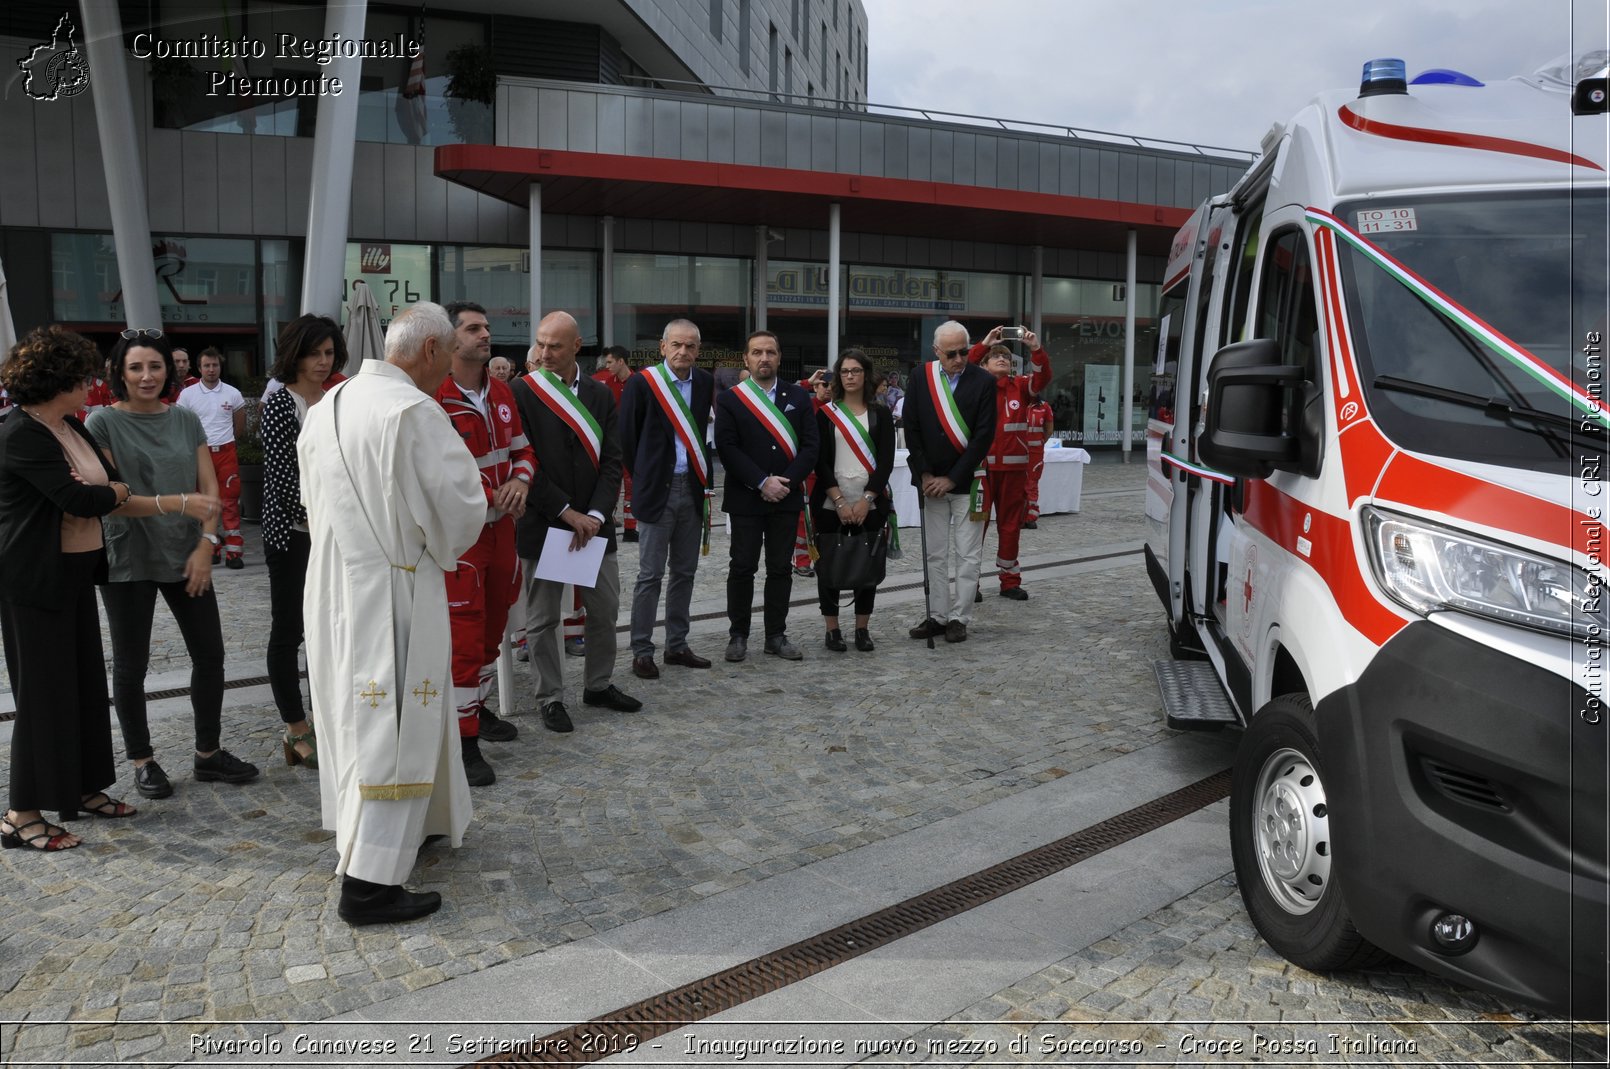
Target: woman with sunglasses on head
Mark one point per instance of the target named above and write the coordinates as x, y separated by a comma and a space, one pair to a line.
162, 450
853, 463
309, 350
54, 490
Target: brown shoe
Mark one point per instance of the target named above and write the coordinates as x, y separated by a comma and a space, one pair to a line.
686, 658
955, 631
645, 668
928, 628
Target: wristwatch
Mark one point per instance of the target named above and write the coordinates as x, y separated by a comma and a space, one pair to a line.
214, 539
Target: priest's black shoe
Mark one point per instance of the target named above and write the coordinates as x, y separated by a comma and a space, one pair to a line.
612, 697
554, 717
363, 902
476, 770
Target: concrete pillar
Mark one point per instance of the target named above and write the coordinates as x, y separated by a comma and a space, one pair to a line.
762, 273
535, 209
835, 299
606, 312
330, 193
122, 161
1128, 408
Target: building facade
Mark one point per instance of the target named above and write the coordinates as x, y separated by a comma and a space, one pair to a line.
689, 156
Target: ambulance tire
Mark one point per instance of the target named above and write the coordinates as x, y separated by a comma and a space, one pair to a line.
1280, 842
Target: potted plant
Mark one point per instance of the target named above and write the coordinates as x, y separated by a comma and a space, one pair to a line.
472, 85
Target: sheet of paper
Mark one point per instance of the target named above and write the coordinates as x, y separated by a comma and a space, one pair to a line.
559, 564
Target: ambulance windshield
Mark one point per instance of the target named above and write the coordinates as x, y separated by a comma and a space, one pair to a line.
1533, 267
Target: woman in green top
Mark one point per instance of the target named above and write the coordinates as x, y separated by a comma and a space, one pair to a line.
161, 449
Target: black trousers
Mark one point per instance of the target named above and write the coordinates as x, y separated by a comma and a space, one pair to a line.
827, 522
129, 609
287, 575
776, 531
61, 744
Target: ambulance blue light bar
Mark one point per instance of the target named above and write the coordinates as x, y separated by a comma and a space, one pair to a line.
1383, 76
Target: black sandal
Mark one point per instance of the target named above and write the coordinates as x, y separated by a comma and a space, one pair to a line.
107, 807
12, 837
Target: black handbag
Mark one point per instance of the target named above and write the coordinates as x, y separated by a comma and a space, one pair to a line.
853, 560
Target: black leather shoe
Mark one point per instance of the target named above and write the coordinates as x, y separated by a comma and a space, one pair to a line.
978, 596
494, 728
955, 631
1015, 593
476, 770
928, 628
1031, 526
554, 718
737, 649
629, 536
363, 902
151, 781
611, 697
235, 563
779, 646
835, 641
222, 766
645, 668
863, 640
686, 658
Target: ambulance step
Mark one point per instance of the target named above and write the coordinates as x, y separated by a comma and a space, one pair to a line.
1192, 697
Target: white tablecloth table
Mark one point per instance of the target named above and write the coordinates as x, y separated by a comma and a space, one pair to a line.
1061, 484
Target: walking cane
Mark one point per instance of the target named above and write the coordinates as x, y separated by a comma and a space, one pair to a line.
922, 525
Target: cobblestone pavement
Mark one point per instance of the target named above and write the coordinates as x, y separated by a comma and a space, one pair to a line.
219, 905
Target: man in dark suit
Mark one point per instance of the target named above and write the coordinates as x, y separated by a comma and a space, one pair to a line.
766, 436
570, 419
665, 412
947, 447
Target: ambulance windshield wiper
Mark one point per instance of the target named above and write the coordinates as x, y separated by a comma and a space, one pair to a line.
1494, 407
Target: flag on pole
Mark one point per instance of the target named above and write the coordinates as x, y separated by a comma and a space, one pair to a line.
411, 98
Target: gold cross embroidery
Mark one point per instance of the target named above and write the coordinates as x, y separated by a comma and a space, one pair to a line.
425, 692
374, 694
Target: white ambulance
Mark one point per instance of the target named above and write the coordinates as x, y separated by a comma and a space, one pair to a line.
1376, 514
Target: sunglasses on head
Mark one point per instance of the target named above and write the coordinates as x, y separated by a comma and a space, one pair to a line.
150, 332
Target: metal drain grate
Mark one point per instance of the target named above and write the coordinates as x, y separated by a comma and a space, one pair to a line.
656, 1016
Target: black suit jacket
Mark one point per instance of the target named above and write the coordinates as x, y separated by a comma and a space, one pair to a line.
881, 428
565, 473
750, 453
36, 488
931, 451
648, 443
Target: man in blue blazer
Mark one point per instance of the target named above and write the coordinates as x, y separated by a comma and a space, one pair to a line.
766, 436
664, 414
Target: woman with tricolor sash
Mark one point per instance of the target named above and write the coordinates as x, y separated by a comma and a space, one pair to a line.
853, 464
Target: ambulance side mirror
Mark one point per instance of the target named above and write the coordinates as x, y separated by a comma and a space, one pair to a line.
1248, 432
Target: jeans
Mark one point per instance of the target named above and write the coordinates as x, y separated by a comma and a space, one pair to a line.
287, 575
674, 537
776, 530
129, 609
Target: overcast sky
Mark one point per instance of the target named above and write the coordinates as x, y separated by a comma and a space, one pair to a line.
1214, 72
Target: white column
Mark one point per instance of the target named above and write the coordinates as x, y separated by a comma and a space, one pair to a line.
1037, 294
606, 312
330, 192
123, 161
834, 297
762, 273
1128, 407
535, 209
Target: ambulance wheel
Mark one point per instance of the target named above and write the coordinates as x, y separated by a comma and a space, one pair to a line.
1281, 843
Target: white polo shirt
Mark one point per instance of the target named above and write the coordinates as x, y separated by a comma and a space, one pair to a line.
216, 408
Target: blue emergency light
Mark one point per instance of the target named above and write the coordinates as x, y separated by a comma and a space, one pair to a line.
1383, 76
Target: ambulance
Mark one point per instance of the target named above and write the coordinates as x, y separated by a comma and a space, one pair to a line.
1376, 507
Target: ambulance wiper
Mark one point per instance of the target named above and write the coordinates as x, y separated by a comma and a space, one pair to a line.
1494, 407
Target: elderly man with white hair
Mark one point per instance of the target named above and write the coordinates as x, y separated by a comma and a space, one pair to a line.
393, 500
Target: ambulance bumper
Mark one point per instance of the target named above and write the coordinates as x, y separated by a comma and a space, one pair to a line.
1471, 782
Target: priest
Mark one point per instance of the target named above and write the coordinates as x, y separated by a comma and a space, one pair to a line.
393, 500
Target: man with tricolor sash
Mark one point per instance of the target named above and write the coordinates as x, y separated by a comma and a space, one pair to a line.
950, 422
766, 437
665, 412
570, 419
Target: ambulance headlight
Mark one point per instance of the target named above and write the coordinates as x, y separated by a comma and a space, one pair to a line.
1427, 567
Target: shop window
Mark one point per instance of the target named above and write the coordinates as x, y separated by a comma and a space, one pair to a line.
499, 279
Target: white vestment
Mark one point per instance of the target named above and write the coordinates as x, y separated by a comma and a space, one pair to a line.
392, 500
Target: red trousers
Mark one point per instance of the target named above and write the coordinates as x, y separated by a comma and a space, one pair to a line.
227, 465
629, 522
479, 594
1036, 467
1007, 493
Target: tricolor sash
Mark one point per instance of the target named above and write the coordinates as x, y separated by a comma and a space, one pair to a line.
762, 408
564, 403
859, 440
956, 429
663, 383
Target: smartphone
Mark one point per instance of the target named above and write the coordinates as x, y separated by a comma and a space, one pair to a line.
1014, 333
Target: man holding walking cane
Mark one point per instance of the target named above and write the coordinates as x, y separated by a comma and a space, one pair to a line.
950, 422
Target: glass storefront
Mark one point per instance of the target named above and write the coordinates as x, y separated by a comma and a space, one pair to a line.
713, 291
499, 279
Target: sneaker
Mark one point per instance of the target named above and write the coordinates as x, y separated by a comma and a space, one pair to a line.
575, 647
521, 653
151, 781
804, 571
494, 729
223, 767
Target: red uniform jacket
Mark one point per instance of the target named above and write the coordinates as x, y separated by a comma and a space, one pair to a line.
617, 386
496, 440
1013, 395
